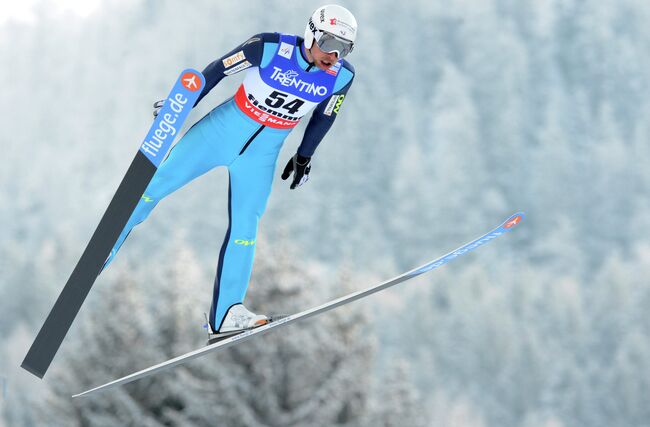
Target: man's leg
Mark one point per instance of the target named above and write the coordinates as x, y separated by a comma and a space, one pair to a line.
250, 186
191, 157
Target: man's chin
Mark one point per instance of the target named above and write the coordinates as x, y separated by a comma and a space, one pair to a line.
322, 66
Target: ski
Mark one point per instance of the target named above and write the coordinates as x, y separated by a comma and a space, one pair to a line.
506, 226
152, 151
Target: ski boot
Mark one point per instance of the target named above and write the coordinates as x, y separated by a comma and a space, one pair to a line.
238, 319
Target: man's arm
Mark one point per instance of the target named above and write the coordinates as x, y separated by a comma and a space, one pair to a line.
246, 55
321, 121
324, 115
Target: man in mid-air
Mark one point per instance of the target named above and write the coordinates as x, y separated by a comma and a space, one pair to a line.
287, 77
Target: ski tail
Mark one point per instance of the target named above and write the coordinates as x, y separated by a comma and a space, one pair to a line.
151, 153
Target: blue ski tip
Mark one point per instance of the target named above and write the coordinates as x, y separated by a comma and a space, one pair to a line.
508, 225
512, 222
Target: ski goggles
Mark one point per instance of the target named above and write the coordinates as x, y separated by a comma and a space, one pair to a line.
330, 43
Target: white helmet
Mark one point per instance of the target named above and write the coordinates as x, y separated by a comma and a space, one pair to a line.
334, 28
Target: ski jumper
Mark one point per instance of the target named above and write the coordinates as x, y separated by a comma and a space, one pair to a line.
245, 134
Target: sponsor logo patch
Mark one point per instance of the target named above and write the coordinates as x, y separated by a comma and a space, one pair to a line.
285, 50
245, 242
338, 103
513, 222
191, 81
238, 68
334, 69
233, 59
290, 78
330, 105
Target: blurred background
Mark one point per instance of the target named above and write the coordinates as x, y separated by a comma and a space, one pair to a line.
462, 113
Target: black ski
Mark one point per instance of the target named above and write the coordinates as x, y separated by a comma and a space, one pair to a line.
152, 151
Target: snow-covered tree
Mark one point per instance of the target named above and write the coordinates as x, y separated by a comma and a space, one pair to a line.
315, 373
503, 105
398, 403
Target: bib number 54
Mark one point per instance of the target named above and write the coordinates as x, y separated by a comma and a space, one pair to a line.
279, 100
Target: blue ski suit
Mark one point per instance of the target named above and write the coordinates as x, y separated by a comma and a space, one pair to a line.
245, 134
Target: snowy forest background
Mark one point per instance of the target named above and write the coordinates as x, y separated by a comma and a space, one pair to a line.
462, 113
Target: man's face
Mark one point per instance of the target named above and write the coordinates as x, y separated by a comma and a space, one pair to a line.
322, 60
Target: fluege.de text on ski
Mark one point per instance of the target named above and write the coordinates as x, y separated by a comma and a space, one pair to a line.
165, 126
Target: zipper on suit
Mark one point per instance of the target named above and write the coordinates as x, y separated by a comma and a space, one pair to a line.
257, 132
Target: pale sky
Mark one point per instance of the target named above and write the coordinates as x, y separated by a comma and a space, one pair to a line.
23, 10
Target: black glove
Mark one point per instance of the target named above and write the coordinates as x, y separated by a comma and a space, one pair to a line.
300, 166
157, 106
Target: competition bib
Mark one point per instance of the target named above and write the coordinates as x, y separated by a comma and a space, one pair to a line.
279, 94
